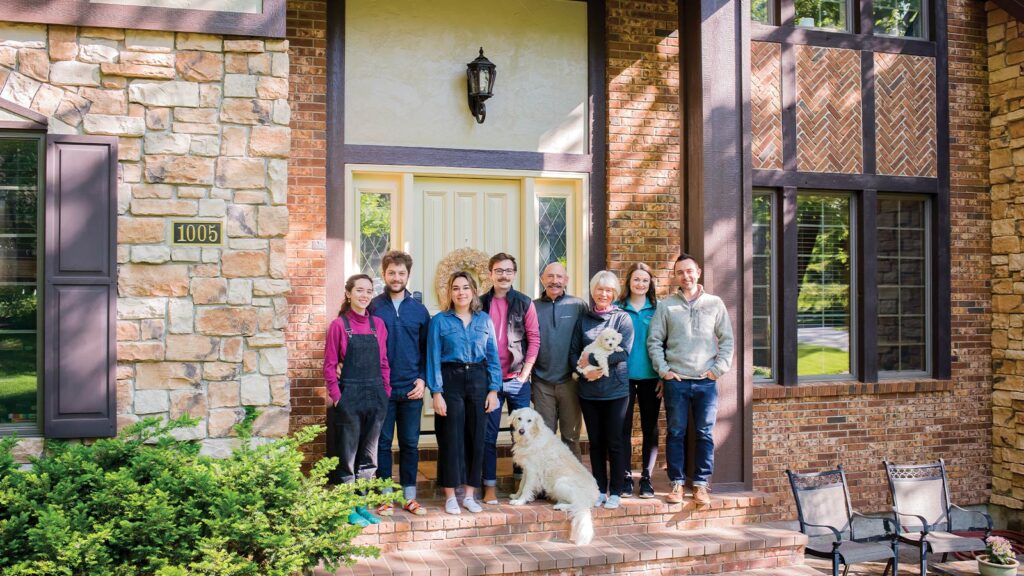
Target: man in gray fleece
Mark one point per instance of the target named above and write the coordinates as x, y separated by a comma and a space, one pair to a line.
554, 391
690, 343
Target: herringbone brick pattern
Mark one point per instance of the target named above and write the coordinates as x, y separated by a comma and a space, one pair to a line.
905, 114
766, 104
828, 114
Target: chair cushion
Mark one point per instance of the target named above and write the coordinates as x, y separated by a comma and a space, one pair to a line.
944, 542
853, 552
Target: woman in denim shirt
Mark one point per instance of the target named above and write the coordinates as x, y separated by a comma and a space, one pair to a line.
464, 376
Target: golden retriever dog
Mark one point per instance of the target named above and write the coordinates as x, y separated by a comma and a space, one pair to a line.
548, 465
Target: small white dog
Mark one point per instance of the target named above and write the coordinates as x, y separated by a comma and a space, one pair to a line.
607, 342
548, 465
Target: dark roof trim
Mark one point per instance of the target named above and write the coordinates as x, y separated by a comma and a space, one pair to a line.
270, 23
33, 120
1014, 7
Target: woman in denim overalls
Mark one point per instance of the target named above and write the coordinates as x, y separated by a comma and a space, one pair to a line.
359, 391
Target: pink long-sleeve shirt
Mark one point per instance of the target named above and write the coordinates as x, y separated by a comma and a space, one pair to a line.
499, 315
337, 343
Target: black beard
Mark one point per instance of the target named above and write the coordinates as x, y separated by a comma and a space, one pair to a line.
400, 291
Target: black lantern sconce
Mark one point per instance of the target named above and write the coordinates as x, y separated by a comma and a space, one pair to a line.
479, 83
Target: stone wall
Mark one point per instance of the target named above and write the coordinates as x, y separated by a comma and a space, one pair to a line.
203, 128
1006, 88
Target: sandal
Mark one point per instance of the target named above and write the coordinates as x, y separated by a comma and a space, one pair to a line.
413, 507
386, 509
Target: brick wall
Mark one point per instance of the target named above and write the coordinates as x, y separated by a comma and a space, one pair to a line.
811, 427
307, 203
766, 105
905, 127
643, 135
828, 110
1006, 52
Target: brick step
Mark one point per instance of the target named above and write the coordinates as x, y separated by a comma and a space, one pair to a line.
538, 521
705, 551
781, 571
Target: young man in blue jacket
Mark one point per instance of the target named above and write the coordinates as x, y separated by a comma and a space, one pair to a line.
407, 321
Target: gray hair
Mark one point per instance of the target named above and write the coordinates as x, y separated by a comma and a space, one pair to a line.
606, 279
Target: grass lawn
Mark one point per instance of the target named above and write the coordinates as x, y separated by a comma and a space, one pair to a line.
17, 377
820, 360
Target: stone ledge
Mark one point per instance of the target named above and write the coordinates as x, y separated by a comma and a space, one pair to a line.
828, 389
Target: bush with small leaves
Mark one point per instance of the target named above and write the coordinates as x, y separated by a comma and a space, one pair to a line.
145, 504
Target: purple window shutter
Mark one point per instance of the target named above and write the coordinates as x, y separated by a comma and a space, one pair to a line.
80, 299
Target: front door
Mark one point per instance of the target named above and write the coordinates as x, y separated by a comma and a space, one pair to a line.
459, 213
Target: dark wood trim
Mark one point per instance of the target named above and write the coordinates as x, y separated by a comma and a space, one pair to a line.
462, 158
691, 228
866, 20
866, 368
1014, 7
597, 93
32, 120
830, 181
834, 389
867, 93
788, 68
713, 74
787, 17
941, 227
335, 184
804, 36
789, 285
746, 329
271, 22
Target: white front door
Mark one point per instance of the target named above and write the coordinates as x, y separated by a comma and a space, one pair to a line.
453, 213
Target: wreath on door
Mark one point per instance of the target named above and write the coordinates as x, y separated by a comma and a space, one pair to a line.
461, 260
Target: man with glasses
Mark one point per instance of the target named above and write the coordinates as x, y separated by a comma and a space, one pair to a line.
690, 343
515, 322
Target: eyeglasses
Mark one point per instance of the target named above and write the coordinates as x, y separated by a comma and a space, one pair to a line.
504, 271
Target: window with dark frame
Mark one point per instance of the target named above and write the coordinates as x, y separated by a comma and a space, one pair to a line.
826, 237
893, 18
763, 293
20, 282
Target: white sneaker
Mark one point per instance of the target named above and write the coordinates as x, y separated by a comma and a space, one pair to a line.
451, 506
601, 499
471, 505
612, 503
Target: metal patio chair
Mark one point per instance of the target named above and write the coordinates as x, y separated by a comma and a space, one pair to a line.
926, 517
834, 530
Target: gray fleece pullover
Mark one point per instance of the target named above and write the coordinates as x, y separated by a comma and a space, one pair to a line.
691, 338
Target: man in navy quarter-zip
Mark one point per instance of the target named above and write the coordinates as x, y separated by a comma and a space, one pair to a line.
407, 321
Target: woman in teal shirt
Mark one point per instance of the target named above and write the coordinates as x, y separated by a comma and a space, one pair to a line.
639, 301
464, 376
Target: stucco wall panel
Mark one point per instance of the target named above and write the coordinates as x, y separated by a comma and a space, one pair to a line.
413, 92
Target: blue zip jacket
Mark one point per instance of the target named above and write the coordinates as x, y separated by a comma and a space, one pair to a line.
640, 367
407, 339
450, 341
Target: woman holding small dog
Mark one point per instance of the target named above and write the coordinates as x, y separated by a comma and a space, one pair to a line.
464, 376
604, 397
639, 301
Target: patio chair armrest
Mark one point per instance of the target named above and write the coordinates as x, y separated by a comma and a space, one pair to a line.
835, 532
921, 519
978, 513
886, 519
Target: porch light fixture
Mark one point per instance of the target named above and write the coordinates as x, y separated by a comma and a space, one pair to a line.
479, 83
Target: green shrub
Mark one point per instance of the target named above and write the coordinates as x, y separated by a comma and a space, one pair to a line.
146, 504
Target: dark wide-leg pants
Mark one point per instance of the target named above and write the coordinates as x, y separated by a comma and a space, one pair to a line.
460, 434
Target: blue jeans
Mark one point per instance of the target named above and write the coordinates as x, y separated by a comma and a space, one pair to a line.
406, 413
680, 397
514, 402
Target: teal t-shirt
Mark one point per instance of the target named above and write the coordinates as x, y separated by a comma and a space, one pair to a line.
640, 367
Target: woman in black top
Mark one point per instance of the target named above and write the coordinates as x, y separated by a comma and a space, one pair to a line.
604, 399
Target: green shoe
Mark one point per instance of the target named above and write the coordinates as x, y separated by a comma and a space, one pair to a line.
367, 515
356, 519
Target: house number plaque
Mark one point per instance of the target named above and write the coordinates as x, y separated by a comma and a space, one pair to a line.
197, 233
